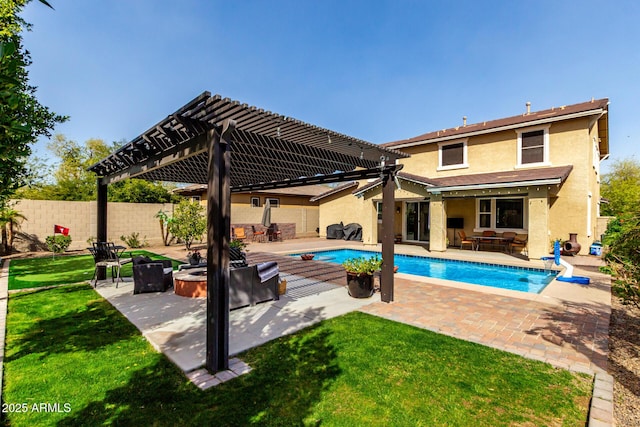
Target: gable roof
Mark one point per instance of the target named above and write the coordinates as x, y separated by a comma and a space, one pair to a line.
591, 108
421, 180
335, 190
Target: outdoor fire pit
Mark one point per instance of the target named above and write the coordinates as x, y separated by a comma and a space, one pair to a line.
191, 283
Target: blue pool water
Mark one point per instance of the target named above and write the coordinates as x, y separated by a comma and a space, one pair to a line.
498, 276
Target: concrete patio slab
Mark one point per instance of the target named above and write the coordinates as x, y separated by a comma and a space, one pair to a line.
175, 325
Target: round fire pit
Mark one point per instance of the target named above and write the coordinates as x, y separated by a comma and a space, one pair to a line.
191, 283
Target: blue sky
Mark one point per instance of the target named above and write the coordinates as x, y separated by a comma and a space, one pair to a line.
376, 70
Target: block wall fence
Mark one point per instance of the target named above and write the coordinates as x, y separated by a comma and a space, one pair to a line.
126, 218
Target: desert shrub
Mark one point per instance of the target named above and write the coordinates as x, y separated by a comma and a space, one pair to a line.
58, 243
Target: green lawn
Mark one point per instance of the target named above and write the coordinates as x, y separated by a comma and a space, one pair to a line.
67, 345
61, 270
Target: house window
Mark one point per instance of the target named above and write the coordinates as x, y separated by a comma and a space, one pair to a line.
195, 198
503, 213
452, 155
275, 203
484, 213
255, 202
533, 146
509, 213
379, 209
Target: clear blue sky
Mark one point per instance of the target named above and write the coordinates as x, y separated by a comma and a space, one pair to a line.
375, 70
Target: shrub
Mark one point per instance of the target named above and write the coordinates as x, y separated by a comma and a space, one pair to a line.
58, 243
622, 253
188, 222
133, 240
362, 265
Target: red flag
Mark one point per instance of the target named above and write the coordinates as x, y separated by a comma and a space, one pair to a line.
60, 229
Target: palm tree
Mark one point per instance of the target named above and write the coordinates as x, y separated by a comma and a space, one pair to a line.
10, 220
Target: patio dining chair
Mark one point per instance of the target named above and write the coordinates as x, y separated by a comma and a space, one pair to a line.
105, 255
257, 235
487, 233
520, 243
273, 234
464, 240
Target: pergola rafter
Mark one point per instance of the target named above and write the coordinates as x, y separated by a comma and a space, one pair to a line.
234, 147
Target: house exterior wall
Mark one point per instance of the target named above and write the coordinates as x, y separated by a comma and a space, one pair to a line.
551, 211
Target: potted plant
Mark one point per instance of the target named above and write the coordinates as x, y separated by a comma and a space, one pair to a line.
360, 275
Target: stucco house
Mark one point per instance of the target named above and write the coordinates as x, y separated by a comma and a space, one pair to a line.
536, 174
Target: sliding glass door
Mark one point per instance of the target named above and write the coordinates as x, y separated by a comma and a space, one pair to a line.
417, 221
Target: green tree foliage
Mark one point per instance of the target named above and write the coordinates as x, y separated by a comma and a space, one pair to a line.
10, 220
72, 181
623, 256
22, 118
189, 222
621, 188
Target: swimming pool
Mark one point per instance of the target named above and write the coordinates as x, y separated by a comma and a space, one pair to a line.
521, 279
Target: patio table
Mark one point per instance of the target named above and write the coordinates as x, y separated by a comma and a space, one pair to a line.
499, 241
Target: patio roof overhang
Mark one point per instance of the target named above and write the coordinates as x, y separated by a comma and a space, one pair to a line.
234, 147
508, 179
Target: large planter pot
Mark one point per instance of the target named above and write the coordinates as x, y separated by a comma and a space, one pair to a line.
360, 285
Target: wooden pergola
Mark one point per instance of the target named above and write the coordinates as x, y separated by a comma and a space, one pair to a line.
234, 147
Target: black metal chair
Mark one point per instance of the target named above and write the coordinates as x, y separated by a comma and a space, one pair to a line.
105, 255
151, 275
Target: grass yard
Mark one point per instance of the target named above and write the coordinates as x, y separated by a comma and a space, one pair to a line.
61, 270
67, 345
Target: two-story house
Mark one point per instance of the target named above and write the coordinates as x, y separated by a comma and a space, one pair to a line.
536, 174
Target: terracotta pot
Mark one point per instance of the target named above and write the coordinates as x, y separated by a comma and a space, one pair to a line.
572, 247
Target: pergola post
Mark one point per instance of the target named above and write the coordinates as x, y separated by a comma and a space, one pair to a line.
218, 237
388, 203
101, 232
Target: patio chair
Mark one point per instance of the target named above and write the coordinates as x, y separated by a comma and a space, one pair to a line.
237, 258
464, 240
507, 239
238, 233
487, 233
105, 255
273, 234
520, 243
151, 275
259, 235
253, 284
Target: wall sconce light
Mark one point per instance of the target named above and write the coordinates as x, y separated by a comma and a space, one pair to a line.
398, 210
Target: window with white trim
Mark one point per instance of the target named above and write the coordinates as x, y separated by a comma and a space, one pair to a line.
275, 203
501, 213
533, 146
255, 202
452, 155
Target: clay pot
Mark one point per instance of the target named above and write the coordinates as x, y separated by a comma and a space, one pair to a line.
572, 247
